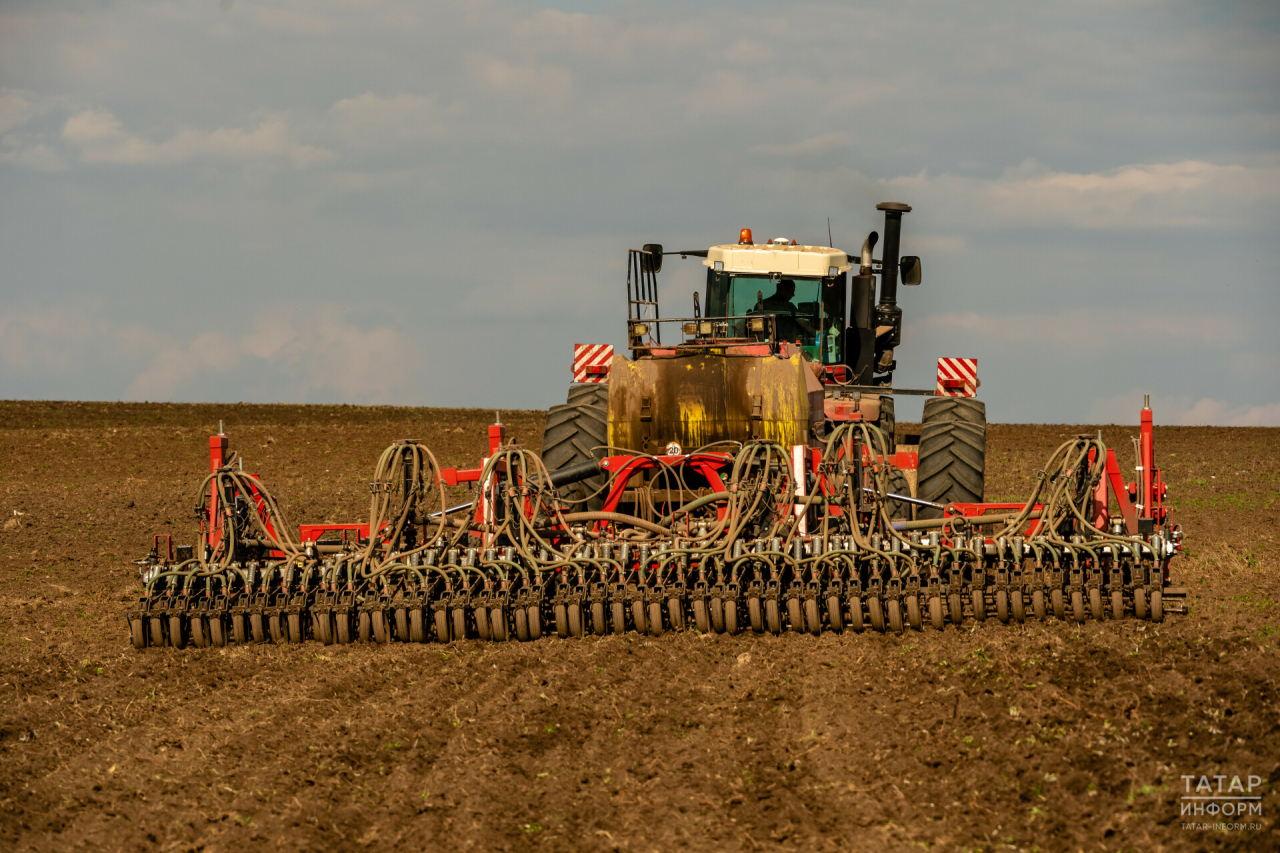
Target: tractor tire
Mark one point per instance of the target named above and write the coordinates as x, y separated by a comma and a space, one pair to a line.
887, 422
576, 432
898, 485
953, 453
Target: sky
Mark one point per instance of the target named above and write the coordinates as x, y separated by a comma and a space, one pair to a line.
428, 203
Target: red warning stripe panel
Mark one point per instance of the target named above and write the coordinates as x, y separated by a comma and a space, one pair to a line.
591, 362
957, 377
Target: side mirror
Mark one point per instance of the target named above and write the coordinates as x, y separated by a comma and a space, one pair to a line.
909, 267
651, 258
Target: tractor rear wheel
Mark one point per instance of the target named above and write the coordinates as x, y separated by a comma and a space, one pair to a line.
898, 485
887, 422
576, 432
953, 452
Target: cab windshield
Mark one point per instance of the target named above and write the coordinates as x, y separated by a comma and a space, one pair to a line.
807, 313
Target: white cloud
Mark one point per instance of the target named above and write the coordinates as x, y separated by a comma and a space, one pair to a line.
546, 85
1184, 411
374, 122
808, 147
1189, 193
99, 136
14, 110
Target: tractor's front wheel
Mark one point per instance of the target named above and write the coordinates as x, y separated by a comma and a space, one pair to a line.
577, 432
953, 452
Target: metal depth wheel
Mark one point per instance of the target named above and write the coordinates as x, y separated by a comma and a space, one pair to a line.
295, 628
1140, 602
323, 622
700, 619
1002, 606
1059, 604
157, 631
1037, 604
441, 620
257, 628
979, 605
275, 627
875, 609
1095, 603
138, 633
637, 616
1018, 606
459, 624
381, 630
895, 615
239, 635
176, 638
835, 614
675, 613
1117, 604
575, 619
1077, 606
731, 616
1157, 606
857, 620
812, 619
482, 621
402, 624
522, 625
716, 608
598, 624
417, 630
618, 620
655, 618
561, 614
534, 615
913, 612
498, 624
956, 606
935, 612
794, 616
773, 616
197, 632
755, 614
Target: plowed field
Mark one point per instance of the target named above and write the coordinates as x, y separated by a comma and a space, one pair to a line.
1043, 736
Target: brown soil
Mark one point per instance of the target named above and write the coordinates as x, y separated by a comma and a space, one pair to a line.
1047, 736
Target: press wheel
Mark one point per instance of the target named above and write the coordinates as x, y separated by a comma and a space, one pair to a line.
323, 620
1019, 607
441, 620
1095, 603
175, 632
417, 634
794, 616
675, 613
637, 616
522, 625
1002, 606
381, 630
561, 614
717, 615
1037, 604
482, 622
459, 624
237, 629
295, 628
157, 631
731, 616
343, 623
935, 612
619, 617
575, 619
875, 609
498, 624
655, 618
1058, 601
256, 628
700, 620
956, 607
275, 625
773, 616
197, 632
755, 615
138, 633
913, 612
895, 615
1117, 604
1157, 606
835, 615
811, 617
857, 621
597, 618
1140, 603
402, 624
534, 612
979, 605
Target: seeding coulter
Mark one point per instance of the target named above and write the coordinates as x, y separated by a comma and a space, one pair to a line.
744, 477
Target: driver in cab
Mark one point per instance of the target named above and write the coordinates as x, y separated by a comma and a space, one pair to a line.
790, 325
